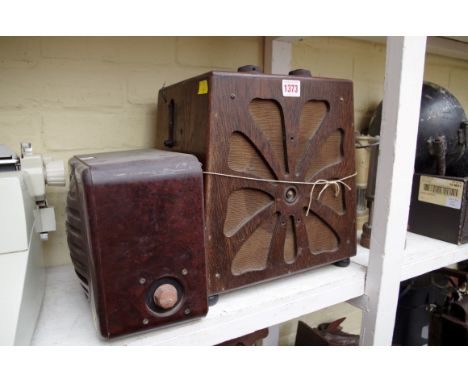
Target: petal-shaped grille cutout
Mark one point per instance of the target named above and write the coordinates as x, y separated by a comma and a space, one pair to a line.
269, 119
242, 206
253, 255
331, 198
321, 236
244, 157
290, 246
330, 153
312, 116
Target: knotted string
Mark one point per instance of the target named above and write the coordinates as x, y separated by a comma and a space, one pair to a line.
327, 183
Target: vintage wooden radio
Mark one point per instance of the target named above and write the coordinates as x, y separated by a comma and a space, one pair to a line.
135, 233
278, 156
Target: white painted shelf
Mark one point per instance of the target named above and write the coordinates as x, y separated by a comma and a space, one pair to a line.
422, 254
66, 318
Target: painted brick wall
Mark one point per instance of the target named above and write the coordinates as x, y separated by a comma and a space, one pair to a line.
80, 95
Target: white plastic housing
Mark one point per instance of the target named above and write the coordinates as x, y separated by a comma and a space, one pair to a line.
22, 276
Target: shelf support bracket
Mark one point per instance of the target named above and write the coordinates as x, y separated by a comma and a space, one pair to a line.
361, 302
400, 117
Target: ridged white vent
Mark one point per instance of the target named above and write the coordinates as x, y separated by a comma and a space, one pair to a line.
55, 173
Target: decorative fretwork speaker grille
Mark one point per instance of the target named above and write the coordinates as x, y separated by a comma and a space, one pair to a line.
258, 228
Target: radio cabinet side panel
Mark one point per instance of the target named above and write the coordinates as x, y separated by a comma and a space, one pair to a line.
183, 114
80, 238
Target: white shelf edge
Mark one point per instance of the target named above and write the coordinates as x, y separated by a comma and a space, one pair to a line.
66, 319
422, 255
442, 46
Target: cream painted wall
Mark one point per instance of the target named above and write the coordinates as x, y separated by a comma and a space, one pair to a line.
80, 95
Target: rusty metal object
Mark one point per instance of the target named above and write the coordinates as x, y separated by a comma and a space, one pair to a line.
441, 115
366, 234
326, 334
449, 327
370, 195
449, 323
247, 340
437, 147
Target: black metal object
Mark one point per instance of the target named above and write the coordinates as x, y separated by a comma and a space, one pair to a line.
437, 147
213, 299
342, 263
418, 296
440, 221
460, 167
250, 69
449, 321
300, 73
370, 195
326, 334
441, 134
433, 309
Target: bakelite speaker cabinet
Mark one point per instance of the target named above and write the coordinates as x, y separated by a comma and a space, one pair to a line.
269, 127
135, 233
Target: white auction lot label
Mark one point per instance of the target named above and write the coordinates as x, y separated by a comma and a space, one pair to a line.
444, 192
291, 88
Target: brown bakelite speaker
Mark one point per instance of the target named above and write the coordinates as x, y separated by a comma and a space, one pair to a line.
135, 233
258, 128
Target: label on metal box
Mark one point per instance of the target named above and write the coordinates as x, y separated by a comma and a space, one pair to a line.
443, 192
291, 88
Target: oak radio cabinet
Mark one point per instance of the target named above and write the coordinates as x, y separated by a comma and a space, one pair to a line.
251, 130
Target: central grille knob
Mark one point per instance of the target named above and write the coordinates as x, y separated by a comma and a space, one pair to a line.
290, 195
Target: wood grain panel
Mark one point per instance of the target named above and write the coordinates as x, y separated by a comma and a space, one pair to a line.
253, 255
269, 119
331, 198
244, 157
328, 153
321, 237
290, 245
312, 116
242, 205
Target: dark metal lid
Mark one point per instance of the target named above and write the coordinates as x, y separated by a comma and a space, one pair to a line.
300, 73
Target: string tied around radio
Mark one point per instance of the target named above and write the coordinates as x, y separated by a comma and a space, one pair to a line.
325, 182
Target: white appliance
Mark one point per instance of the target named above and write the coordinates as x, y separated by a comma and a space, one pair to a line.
25, 220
